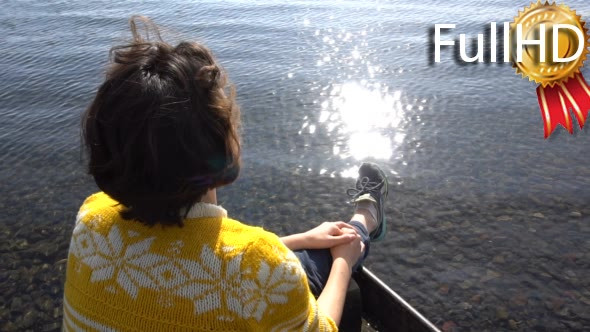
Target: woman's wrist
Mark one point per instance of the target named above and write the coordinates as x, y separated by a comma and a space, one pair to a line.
295, 241
342, 264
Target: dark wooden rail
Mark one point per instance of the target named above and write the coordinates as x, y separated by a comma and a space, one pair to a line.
370, 298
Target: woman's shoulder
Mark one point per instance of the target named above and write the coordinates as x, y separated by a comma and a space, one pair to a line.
98, 198
256, 242
98, 209
237, 225
248, 235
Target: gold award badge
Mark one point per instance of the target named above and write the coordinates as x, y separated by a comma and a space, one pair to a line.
549, 44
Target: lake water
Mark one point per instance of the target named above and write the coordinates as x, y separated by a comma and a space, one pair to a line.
489, 221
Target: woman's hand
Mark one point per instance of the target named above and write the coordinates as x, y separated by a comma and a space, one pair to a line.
329, 234
324, 236
350, 252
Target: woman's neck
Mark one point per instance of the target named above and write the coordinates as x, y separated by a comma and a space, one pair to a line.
210, 197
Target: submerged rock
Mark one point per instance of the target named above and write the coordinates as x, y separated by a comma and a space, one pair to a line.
28, 319
498, 259
16, 305
448, 326
502, 313
444, 289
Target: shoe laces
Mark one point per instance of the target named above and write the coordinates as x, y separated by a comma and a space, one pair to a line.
364, 186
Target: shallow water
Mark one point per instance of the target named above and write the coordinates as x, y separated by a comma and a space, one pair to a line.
489, 226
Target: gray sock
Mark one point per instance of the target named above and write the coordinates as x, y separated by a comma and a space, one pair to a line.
370, 206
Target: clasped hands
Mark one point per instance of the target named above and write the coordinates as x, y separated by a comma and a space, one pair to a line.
341, 238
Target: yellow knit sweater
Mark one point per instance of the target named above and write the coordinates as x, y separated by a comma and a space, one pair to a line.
213, 274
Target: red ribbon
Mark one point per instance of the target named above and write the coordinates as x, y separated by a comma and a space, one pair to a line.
556, 101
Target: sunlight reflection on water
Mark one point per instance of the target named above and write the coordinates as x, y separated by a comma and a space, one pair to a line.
357, 112
363, 121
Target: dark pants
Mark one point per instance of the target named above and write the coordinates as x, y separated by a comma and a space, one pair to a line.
318, 262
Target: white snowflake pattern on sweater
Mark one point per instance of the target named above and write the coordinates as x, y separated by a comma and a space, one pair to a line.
209, 282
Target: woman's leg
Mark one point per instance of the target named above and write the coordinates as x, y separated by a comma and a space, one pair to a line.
368, 219
318, 262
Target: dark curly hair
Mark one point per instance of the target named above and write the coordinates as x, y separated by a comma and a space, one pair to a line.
163, 128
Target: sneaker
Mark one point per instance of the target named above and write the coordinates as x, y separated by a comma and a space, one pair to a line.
371, 185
